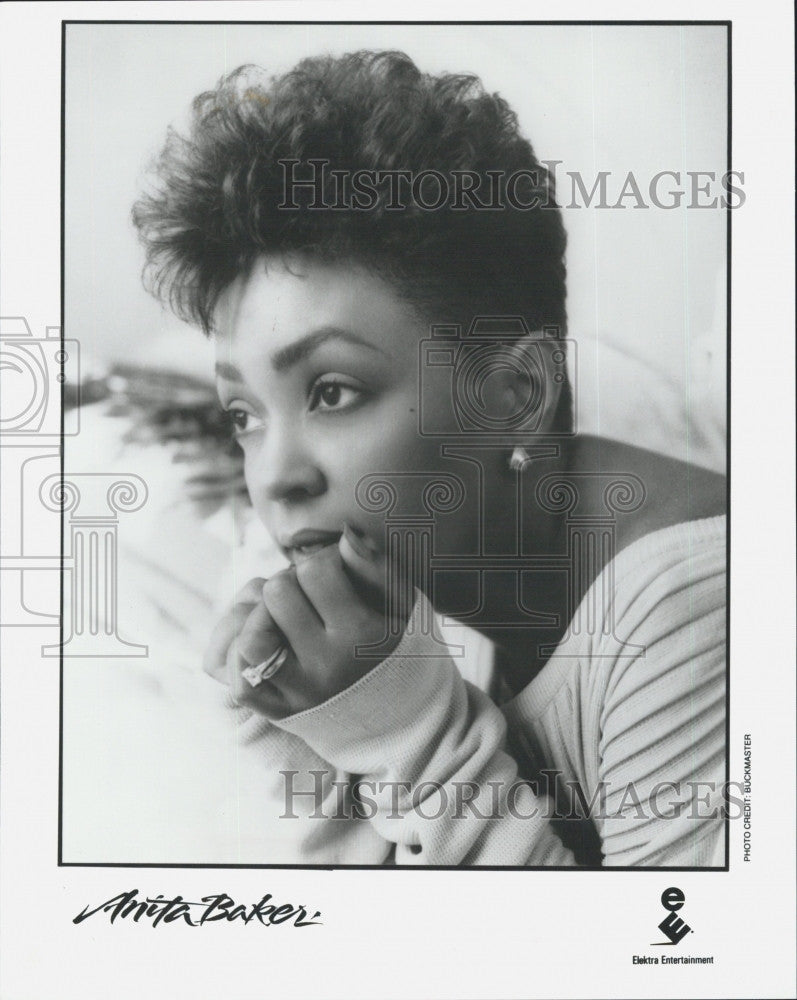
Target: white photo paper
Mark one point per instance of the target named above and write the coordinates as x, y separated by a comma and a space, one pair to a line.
397, 464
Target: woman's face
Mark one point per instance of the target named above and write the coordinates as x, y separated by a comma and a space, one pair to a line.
319, 365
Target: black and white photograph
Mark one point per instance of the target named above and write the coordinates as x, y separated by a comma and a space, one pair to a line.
367, 508
428, 408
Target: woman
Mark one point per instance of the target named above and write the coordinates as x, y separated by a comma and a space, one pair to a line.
378, 256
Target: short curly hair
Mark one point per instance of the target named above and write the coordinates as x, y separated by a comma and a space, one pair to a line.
215, 205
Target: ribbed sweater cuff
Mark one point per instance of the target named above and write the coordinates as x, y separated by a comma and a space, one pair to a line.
374, 714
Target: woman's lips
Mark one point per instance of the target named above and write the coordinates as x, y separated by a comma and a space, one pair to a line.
305, 543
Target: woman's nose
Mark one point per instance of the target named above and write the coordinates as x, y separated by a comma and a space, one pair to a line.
284, 470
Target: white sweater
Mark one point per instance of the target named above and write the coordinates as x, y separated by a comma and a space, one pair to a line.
627, 717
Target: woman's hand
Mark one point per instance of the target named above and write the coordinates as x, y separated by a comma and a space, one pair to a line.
322, 609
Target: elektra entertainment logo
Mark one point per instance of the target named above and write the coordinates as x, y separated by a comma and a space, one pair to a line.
675, 930
673, 927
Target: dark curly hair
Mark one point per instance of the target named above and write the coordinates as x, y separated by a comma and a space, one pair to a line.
215, 207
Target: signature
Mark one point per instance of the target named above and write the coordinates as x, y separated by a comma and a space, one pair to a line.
158, 909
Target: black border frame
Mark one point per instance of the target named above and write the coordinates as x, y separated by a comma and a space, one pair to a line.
728, 24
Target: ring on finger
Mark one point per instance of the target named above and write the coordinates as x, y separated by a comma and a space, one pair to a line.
267, 669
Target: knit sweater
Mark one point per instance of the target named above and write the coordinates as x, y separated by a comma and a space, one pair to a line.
626, 717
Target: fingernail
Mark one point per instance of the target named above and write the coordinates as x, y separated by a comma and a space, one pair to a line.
361, 545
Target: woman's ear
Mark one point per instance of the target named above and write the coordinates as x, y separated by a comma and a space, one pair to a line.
526, 383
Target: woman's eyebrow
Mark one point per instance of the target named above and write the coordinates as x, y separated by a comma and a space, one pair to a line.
228, 372
288, 356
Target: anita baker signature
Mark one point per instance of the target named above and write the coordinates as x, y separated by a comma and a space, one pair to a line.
158, 909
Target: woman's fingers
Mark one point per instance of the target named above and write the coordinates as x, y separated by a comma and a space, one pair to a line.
293, 614
265, 698
215, 658
260, 637
384, 582
318, 612
250, 592
327, 587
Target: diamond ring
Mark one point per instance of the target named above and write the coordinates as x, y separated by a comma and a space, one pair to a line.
267, 669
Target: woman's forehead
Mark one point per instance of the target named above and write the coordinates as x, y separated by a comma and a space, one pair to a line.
279, 302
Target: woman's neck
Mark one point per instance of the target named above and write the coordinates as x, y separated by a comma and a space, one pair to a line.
660, 492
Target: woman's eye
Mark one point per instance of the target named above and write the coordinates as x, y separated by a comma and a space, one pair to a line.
333, 395
242, 420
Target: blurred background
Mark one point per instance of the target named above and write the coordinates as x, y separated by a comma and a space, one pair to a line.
148, 736
646, 286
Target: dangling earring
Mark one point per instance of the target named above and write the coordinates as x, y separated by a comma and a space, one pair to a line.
518, 458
